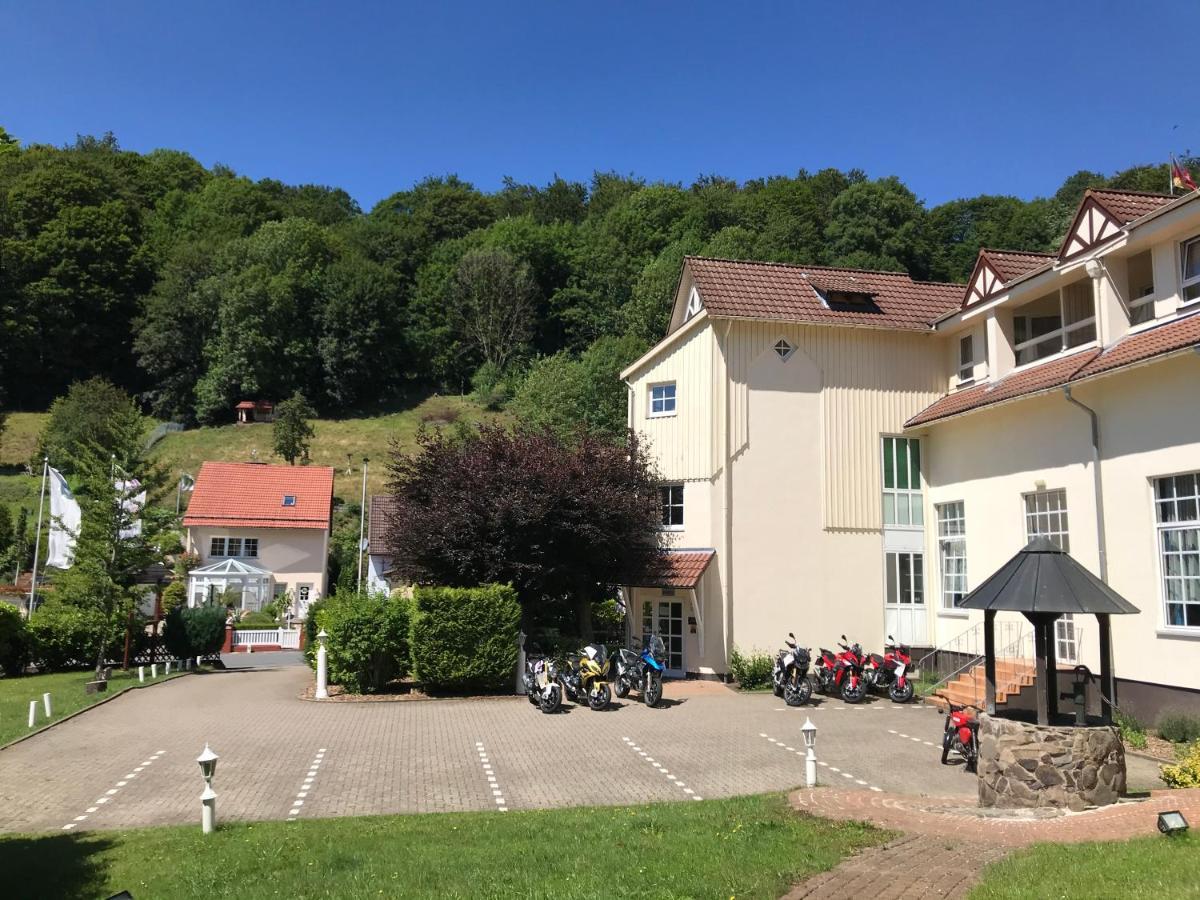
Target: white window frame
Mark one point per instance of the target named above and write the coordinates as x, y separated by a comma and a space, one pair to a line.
1061, 332
1135, 304
663, 411
667, 505
966, 367
894, 591
1045, 507
227, 544
212, 546
913, 497
1182, 527
952, 512
1184, 281
694, 305
247, 548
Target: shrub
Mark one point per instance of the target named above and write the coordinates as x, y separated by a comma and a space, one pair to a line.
368, 639
311, 628
174, 595
1133, 733
65, 635
1187, 773
465, 638
1179, 727
14, 639
199, 631
750, 671
256, 619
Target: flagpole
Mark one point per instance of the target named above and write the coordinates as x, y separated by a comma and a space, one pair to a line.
362, 522
37, 541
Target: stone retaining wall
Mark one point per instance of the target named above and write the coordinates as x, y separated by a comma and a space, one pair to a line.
1024, 765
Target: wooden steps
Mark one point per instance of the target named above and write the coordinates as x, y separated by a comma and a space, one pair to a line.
970, 686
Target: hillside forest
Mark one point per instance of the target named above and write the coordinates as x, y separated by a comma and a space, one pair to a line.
193, 287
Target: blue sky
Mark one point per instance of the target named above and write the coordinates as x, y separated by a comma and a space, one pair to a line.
955, 98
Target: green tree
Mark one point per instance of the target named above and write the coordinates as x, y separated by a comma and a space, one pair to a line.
94, 419
491, 304
362, 334
879, 225
293, 432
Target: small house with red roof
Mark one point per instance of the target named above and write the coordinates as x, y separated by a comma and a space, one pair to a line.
259, 531
250, 411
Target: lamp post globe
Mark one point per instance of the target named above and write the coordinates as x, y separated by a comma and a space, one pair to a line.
208, 764
809, 732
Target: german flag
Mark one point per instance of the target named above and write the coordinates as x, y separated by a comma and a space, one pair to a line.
1181, 177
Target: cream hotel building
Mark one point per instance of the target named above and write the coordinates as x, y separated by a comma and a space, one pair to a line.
852, 452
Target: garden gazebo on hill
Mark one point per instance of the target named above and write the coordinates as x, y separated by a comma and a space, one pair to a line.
1043, 583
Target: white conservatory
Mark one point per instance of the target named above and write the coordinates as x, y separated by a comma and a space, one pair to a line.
209, 583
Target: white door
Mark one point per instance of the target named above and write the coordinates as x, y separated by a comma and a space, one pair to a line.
904, 599
665, 617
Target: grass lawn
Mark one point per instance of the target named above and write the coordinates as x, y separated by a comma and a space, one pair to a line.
1146, 867
18, 442
334, 439
66, 696
743, 847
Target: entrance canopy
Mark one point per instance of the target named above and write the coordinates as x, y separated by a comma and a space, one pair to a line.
249, 582
1043, 583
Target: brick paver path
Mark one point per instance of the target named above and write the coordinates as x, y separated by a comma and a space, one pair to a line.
947, 843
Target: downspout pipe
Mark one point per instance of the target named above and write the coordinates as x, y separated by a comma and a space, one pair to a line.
1097, 482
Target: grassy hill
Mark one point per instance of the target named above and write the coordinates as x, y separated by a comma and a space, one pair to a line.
341, 443
17, 446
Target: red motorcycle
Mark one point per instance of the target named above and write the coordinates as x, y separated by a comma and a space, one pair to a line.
962, 734
890, 671
849, 674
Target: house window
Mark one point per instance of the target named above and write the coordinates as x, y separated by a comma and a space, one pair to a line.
1190, 257
902, 482
952, 552
289, 499
905, 579
217, 547
1177, 513
784, 350
1046, 516
694, 305
233, 546
1056, 322
966, 359
1140, 287
662, 399
671, 496
250, 547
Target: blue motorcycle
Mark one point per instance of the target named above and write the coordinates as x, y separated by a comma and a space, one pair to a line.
642, 672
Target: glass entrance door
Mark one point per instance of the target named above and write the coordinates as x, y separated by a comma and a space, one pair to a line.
665, 617
904, 603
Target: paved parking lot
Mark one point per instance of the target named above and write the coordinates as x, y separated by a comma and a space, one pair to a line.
131, 762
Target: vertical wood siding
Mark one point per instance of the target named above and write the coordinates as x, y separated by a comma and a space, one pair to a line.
872, 381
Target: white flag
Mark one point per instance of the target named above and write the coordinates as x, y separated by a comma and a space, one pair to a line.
132, 505
64, 522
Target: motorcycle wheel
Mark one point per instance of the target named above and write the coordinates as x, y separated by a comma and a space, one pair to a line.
946, 740
599, 698
552, 703
653, 692
853, 694
777, 690
621, 687
797, 695
901, 694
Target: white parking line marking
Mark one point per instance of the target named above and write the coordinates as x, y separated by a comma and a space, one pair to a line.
663, 769
490, 775
111, 793
306, 786
821, 762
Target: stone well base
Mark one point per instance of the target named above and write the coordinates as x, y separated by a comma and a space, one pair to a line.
1024, 765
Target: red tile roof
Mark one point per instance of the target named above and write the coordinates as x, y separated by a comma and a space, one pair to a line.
1131, 349
1011, 264
250, 495
680, 569
788, 293
383, 507
1125, 206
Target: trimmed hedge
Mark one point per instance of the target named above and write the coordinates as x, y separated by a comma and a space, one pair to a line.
751, 671
194, 632
368, 639
65, 635
465, 638
14, 640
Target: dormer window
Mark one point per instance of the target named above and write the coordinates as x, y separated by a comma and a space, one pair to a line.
694, 305
1139, 270
289, 499
662, 399
1190, 257
1056, 322
966, 359
851, 301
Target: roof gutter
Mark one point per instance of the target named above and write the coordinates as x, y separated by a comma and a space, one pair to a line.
1097, 482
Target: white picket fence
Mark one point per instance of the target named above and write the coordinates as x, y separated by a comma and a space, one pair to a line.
287, 638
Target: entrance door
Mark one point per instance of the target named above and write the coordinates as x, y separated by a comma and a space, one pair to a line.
666, 618
904, 602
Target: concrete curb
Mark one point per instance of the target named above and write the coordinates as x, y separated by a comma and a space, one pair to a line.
98, 703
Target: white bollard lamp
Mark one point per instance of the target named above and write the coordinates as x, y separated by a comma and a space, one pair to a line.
809, 732
208, 800
322, 667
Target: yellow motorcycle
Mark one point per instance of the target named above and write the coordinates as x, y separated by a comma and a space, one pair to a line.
586, 677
